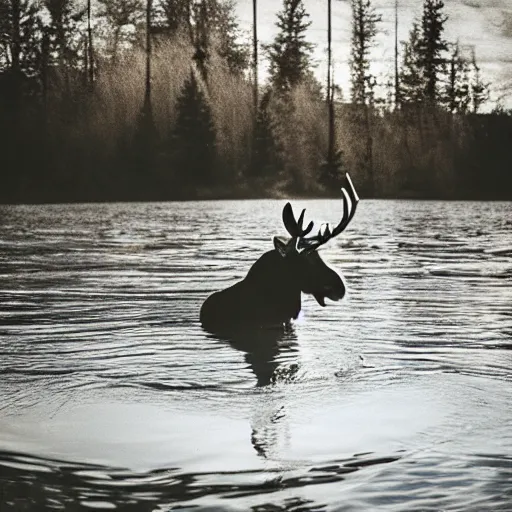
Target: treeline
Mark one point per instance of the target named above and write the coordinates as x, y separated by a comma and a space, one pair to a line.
158, 99
426, 137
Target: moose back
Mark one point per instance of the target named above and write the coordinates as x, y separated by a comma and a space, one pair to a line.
270, 294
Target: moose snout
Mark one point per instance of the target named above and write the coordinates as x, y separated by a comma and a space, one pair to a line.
336, 292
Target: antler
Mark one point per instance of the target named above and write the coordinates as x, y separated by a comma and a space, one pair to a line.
292, 226
350, 200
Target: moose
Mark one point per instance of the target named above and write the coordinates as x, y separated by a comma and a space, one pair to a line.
270, 294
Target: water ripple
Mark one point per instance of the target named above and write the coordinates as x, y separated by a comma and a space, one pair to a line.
113, 396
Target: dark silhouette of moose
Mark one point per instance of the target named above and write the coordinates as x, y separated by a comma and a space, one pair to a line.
270, 294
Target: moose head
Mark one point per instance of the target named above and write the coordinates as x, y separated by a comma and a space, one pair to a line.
270, 294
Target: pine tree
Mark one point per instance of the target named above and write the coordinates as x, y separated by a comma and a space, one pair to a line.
364, 29
117, 16
202, 14
411, 72
176, 15
89, 51
20, 57
290, 53
214, 29
431, 48
457, 95
227, 39
479, 89
331, 169
193, 140
65, 16
20, 84
267, 155
20, 36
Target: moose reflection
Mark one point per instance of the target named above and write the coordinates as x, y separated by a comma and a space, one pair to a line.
271, 353
270, 294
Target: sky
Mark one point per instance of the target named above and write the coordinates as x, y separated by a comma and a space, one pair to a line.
485, 25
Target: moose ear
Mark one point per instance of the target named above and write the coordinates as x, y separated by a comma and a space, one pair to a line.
285, 247
280, 246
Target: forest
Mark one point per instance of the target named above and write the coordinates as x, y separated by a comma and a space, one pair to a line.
121, 100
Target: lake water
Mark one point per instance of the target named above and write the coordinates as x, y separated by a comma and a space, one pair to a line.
397, 398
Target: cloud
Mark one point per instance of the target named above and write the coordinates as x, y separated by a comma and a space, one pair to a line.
475, 4
506, 25
498, 15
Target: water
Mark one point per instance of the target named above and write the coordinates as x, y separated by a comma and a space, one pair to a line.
113, 397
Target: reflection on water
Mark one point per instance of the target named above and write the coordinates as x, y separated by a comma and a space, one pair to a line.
268, 352
271, 354
113, 397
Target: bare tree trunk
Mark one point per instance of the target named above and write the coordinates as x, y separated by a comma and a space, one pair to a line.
147, 96
329, 54
330, 95
16, 64
16, 36
189, 24
45, 51
255, 55
86, 62
90, 50
369, 150
397, 79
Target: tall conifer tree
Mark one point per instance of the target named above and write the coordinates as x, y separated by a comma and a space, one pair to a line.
479, 88
457, 92
364, 29
431, 48
193, 140
411, 72
117, 16
290, 53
